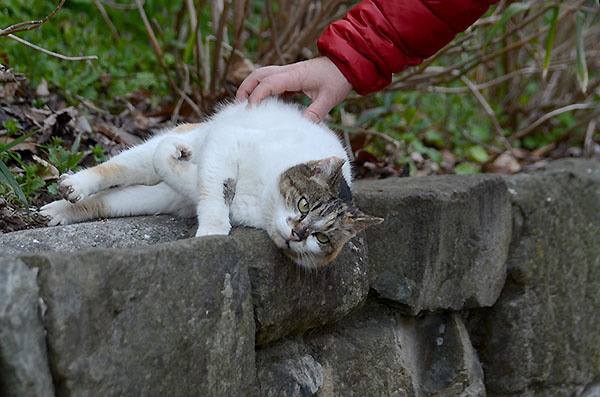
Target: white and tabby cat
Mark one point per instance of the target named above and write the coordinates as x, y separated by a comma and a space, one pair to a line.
266, 167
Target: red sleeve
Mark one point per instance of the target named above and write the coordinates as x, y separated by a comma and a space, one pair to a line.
378, 38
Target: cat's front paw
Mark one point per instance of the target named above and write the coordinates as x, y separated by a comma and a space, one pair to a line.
58, 212
72, 187
222, 230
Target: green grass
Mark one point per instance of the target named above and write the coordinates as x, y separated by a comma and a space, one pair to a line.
78, 29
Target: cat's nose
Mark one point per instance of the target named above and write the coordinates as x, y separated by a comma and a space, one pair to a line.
298, 234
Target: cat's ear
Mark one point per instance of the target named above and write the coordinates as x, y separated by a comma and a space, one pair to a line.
359, 221
330, 169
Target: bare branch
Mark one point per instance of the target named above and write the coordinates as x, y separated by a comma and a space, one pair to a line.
29, 25
106, 18
118, 6
161, 59
589, 135
526, 131
54, 54
216, 61
488, 110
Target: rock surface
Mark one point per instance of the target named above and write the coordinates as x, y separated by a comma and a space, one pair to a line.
24, 369
132, 322
111, 233
543, 335
444, 241
290, 299
292, 377
378, 351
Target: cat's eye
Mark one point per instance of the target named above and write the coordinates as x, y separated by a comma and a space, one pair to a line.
323, 239
303, 205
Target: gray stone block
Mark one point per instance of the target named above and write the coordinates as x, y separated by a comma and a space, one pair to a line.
288, 298
293, 377
169, 319
444, 241
542, 337
111, 233
24, 369
448, 363
376, 352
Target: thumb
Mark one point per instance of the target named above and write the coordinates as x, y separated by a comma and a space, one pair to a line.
317, 111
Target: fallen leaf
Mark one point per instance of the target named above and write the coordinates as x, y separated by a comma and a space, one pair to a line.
504, 164
118, 135
239, 71
53, 171
42, 88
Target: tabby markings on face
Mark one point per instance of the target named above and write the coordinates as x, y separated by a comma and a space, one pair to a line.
318, 216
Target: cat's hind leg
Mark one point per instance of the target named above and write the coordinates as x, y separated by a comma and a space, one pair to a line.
173, 163
127, 201
130, 167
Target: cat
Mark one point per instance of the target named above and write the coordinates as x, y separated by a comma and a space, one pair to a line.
265, 167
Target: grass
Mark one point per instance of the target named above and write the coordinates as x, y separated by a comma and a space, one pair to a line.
78, 29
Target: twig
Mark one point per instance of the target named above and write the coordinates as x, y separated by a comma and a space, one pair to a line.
118, 6
161, 59
54, 54
202, 62
367, 132
186, 87
589, 134
488, 109
88, 104
526, 131
493, 82
239, 15
106, 18
567, 135
274, 31
216, 55
29, 25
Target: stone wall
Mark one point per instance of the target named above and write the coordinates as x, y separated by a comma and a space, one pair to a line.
473, 286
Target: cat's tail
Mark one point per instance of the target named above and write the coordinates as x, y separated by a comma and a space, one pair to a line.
172, 162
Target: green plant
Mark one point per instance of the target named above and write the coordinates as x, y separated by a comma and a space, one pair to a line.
11, 127
63, 159
30, 180
99, 154
6, 177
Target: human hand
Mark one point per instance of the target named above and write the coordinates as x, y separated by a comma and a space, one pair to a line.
318, 78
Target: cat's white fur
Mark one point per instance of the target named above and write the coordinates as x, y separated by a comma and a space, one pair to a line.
252, 147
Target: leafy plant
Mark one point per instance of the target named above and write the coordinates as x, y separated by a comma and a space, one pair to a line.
99, 154
6, 177
64, 160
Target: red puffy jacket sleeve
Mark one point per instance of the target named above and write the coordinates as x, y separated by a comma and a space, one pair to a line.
378, 38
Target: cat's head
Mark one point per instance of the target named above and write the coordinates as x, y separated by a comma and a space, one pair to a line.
313, 215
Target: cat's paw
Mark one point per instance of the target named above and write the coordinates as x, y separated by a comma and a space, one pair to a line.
58, 212
73, 187
206, 230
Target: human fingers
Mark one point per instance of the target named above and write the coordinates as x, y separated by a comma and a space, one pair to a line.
254, 79
275, 84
